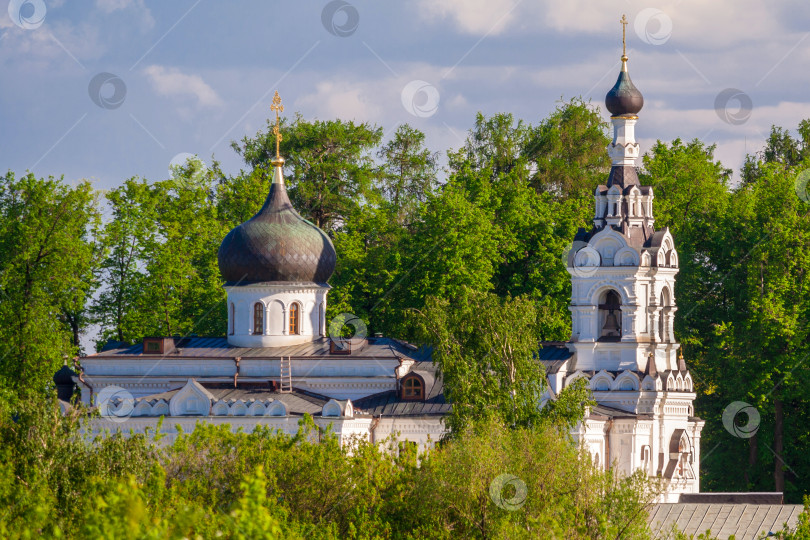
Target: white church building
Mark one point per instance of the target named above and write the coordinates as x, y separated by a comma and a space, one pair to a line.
622, 310
276, 362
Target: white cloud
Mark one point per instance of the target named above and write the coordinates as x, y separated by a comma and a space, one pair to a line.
471, 16
171, 82
342, 99
50, 49
111, 6
694, 23
708, 123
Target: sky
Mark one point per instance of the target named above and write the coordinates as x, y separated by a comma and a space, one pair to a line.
110, 89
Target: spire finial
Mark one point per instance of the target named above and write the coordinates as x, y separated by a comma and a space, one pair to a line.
624, 42
278, 108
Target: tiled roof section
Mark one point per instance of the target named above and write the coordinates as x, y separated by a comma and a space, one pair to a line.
388, 403
553, 355
744, 521
298, 402
658, 237
216, 347
749, 497
637, 237
609, 412
622, 176
276, 244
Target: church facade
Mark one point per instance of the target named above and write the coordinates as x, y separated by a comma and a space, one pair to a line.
277, 362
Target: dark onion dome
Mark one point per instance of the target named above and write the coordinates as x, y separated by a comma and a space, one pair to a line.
276, 244
64, 376
624, 98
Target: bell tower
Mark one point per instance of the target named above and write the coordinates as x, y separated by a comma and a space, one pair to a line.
622, 310
623, 269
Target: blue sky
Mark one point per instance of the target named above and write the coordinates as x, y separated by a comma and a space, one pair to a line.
201, 73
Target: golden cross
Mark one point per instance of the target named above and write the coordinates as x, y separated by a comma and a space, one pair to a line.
278, 108
624, 28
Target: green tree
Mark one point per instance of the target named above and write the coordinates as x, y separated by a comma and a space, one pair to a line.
47, 238
160, 271
329, 165
567, 150
408, 171
486, 350
499, 482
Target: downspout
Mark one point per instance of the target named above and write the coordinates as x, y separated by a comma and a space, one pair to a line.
81, 378
609, 426
236, 361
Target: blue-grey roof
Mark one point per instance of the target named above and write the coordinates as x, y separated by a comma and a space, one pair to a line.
553, 354
298, 401
389, 403
218, 347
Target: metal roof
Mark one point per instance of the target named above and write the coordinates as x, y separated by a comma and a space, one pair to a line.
611, 412
553, 355
744, 521
389, 403
218, 347
298, 402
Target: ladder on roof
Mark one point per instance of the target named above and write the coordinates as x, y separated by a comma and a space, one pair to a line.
286, 375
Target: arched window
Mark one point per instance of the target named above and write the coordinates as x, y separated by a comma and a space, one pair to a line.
663, 319
233, 319
610, 315
258, 318
295, 318
412, 388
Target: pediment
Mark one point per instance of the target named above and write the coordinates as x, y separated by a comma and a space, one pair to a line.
191, 400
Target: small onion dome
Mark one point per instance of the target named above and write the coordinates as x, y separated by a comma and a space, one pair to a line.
276, 244
64, 376
624, 98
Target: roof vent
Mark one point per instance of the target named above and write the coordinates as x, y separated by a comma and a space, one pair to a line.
340, 346
158, 345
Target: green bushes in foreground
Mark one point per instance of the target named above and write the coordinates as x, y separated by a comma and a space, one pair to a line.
488, 481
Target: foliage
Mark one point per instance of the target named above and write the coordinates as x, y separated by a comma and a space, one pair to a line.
49, 256
214, 483
160, 270
408, 171
568, 151
486, 350
496, 482
329, 162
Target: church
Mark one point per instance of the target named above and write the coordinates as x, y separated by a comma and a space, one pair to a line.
276, 361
